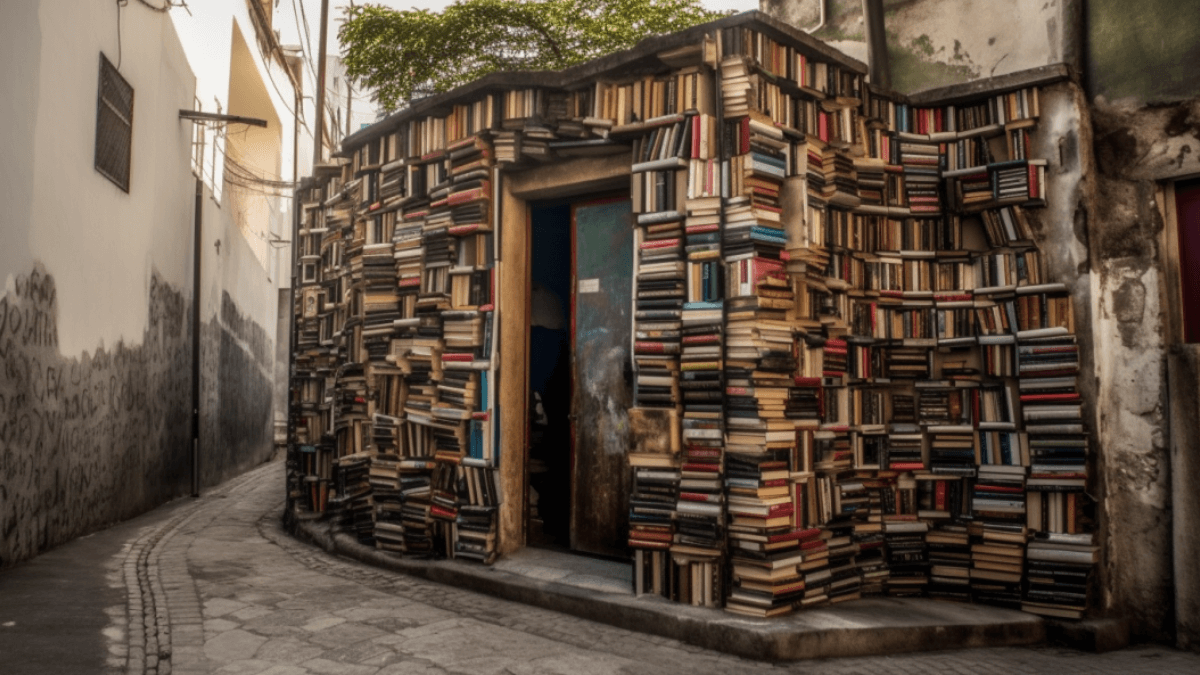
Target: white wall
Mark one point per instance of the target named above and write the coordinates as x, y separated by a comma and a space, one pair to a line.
99, 242
20, 50
95, 383
207, 37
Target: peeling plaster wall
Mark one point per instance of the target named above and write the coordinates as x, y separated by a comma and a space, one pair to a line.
935, 43
1145, 95
1152, 525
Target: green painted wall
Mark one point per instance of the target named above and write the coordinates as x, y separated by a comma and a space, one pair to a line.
1148, 50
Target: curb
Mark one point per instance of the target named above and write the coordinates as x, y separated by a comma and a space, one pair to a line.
868, 627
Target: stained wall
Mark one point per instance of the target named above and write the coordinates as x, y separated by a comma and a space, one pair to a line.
96, 304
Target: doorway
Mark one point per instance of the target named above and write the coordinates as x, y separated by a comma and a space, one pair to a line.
580, 373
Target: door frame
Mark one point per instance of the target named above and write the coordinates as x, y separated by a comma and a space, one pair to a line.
554, 180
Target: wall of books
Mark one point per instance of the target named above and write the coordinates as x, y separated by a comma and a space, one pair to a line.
395, 317
840, 297
842, 324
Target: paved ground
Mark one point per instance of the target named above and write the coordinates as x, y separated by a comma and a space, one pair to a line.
215, 586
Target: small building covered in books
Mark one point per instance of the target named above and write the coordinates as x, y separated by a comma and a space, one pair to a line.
719, 306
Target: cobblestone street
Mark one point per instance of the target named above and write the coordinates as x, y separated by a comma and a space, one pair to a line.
215, 586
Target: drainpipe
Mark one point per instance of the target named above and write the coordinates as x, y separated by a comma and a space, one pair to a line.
196, 225
877, 56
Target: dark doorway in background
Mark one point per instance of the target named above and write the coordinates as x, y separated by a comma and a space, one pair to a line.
550, 375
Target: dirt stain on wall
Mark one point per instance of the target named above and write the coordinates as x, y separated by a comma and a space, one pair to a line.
91, 440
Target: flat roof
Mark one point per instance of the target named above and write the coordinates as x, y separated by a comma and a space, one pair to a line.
641, 58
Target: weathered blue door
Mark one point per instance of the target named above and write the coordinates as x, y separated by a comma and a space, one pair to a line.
601, 304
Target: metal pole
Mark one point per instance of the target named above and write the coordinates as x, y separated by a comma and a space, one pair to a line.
196, 231
319, 134
349, 106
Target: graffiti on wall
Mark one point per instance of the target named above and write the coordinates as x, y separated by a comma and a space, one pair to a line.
239, 434
86, 441
91, 440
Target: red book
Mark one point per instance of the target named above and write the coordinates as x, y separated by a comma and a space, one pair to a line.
650, 536
999, 489
460, 230
794, 535
474, 194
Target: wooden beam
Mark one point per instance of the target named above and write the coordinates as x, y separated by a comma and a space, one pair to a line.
513, 380
581, 175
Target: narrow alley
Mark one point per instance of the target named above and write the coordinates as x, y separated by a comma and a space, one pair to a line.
214, 585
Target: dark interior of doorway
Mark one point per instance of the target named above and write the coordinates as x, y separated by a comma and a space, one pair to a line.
549, 508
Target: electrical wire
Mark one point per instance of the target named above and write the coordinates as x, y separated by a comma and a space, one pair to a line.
165, 8
299, 15
283, 102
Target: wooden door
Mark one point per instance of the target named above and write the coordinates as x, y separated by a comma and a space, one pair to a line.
602, 368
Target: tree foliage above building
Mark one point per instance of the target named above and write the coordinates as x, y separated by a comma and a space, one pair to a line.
403, 55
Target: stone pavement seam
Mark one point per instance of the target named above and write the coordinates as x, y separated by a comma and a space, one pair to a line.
148, 604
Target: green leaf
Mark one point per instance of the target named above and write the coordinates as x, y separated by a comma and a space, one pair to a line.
404, 55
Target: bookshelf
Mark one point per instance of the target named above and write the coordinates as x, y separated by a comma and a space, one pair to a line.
859, 376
